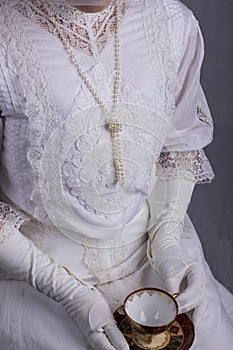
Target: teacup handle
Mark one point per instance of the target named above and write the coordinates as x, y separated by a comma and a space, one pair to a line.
175, 295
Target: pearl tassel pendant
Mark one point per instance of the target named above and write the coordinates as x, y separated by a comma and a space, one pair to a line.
115, 127
113, 124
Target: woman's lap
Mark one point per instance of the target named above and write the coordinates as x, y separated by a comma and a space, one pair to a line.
32, 321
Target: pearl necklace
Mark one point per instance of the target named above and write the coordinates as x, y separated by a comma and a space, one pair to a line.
112, 123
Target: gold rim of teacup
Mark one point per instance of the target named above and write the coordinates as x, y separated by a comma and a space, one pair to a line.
172, 297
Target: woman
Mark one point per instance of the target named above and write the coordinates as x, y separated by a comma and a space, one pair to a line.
103, 128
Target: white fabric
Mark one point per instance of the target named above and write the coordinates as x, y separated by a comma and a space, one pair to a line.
56, 158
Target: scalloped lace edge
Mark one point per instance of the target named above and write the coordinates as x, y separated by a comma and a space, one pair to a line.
10, 220
193, 165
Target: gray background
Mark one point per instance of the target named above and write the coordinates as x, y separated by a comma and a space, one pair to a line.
211, 209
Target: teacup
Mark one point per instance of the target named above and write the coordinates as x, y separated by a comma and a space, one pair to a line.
151, 311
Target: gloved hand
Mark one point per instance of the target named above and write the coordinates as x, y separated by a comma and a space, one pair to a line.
23, 260
168, 205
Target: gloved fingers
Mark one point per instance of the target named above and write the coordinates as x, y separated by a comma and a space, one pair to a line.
100, 315
172, 271
194, 295
173, 284
116, 337
99, 340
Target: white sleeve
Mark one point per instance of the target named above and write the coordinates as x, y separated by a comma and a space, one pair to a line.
191, 124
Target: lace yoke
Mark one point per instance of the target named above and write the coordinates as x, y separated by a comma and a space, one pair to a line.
86, 32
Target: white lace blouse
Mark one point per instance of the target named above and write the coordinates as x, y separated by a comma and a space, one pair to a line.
56, 161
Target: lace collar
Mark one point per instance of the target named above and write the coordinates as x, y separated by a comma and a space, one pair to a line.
87, 32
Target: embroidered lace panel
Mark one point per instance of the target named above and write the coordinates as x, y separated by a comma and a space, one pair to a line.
86, 32
117, 269
10, 219
190, 164
159, 33
24, 63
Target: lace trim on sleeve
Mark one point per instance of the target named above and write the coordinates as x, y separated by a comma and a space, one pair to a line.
193, 165
204, 116
10, 219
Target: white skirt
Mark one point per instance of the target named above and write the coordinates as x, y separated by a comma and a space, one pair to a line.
30, 320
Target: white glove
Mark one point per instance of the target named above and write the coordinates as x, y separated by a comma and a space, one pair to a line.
168, 205
23, 260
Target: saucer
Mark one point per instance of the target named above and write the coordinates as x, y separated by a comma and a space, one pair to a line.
181, 331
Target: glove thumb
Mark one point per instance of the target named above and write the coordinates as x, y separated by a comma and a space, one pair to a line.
172, 272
